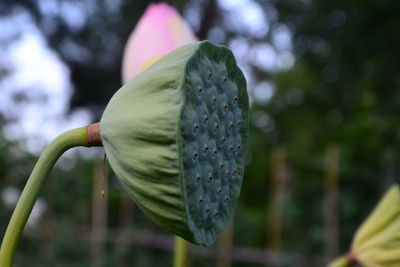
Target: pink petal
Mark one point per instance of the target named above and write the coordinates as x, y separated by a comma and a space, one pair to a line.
159, 31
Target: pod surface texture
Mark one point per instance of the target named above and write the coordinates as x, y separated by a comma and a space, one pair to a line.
175, 136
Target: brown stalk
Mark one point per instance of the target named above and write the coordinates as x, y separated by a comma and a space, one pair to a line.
93, 135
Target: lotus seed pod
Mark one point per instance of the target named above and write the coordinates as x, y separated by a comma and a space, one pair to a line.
175, 136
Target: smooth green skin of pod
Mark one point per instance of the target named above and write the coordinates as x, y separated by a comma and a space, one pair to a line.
175, 136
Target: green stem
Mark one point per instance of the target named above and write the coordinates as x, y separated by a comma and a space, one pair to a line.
67, 140
340, 262
180, 252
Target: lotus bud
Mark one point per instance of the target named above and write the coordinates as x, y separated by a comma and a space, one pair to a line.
175, 136
159, 31
377, 241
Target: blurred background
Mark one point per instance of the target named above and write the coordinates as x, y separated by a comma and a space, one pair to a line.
323, 79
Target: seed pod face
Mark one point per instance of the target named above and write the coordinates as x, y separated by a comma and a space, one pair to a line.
175, 136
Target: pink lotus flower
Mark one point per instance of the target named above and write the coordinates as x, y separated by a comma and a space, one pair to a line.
159, 31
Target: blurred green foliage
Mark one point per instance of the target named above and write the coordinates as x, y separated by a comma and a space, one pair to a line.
343, 90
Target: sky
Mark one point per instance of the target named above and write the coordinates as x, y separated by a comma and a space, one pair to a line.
35, 95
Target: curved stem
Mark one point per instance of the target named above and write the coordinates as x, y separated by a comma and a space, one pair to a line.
180, 252
67, 140
340, 262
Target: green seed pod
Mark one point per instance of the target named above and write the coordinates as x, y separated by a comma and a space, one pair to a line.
175, 136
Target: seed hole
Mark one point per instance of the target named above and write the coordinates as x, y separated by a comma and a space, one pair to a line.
207, 210
221, 166
228, 174
225, 79
215, 151
231, 124
199, 89
216, 214
215, 99
210, 177
236, 98
216, 125
231, 147
226, 199
198, 178
195, 126
209, 75
223, 139
239, 123
225, 106
195, 155
205, 118
219, 191
235, 171
200, 200
238, 148
206, 148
